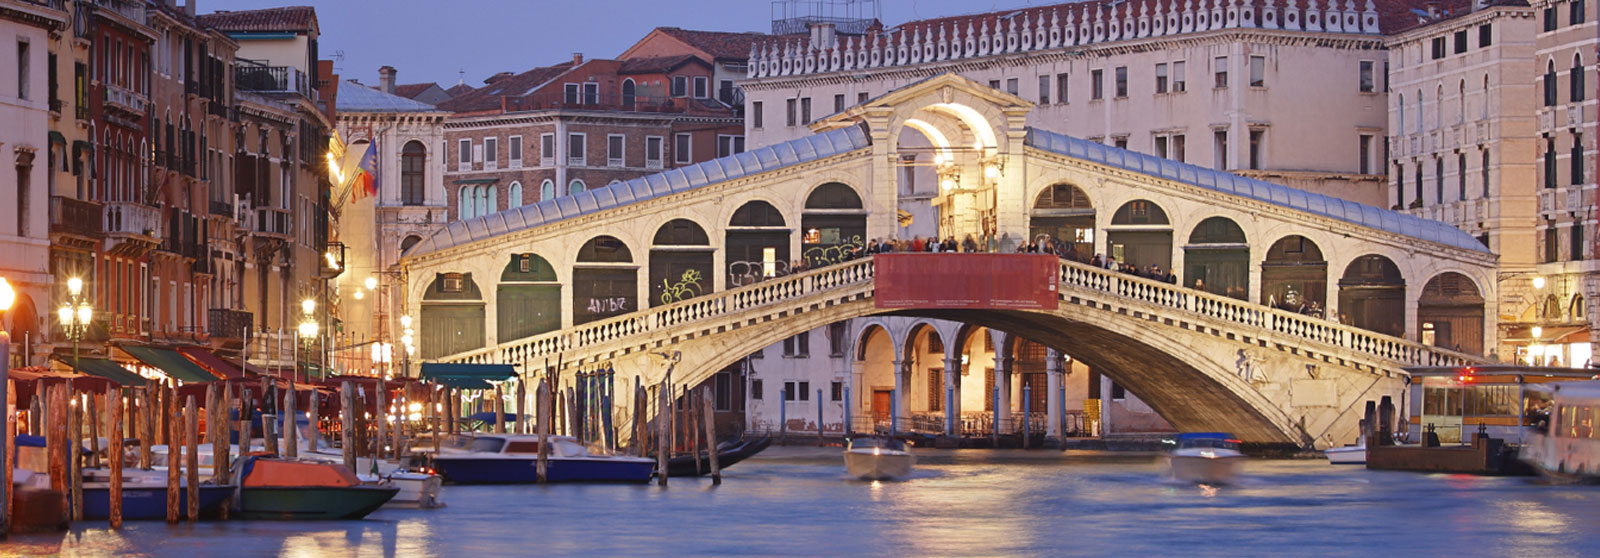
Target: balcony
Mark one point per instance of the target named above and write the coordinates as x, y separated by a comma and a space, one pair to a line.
134, 226
125, 99
222, 209
251, 76
74, 217
272, 222
228, 324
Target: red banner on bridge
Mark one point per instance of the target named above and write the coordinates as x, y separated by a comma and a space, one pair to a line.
996, 281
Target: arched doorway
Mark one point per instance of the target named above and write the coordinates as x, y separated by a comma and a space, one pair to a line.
875, 359
1217, 258
925, 395
1294, 276
452, 319
605, 281
757, 244
1141, 235
834, 223
680, 262
528, 299
1064, 213
1372, 296
1450, 313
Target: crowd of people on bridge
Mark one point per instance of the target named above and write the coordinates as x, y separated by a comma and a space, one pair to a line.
1040, 244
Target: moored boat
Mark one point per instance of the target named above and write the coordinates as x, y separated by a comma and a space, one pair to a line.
1348, 455
878, 458
1567, 449
283, 489
728, 453
144, 495
1205, 458
513, 459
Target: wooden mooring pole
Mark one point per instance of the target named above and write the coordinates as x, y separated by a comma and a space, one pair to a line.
191, 451
174, 455
347, 404
75, 452
114, 405
663, 431
544, 406
711, 436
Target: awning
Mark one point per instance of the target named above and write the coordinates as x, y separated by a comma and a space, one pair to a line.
212, 363
1553, 335
478, 181
172, 363
467, 376
57, 139
105, 369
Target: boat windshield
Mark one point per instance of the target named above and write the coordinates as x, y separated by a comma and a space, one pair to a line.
875, 442
486, 445
1214, 443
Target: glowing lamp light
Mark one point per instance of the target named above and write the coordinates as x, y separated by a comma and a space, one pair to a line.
85, 313
405, 322
75, 286
307, 306
991, 171
948, 184
333, 262
1537, 332
359, 295
7, 296
65, 314
938, 160
308, 329
415, 407
371, 283
406, 339
1538, 282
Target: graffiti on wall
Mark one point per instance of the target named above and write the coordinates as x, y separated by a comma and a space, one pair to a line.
687, 287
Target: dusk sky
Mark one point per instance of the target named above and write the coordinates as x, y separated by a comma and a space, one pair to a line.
436, 40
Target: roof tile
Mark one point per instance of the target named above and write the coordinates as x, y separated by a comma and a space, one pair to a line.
289, 18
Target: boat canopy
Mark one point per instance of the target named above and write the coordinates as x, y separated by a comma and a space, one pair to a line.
1204, 435
467, 376
260, 472
1571, 393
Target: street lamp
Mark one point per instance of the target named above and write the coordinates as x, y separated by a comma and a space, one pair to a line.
308, 329
75, 315
407, 341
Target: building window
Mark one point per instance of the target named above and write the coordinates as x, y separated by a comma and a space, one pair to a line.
838, 103
464, 155
630, 93
1438, 179
22, 70
702, 87
1550, 18
652, 151
994, 84
755, 389
1255, 148
1574, 14
1436, 47
570, 94
575, 187
491, 153
1044, 90
1366, 154
680, 86
1399, 185
805, 110
1417, 202
514, 196
755, 115
514, 152
1461, 176
1097, 84
1368, 85
591, 93
1550, 242
1258, 71
1061, 88
1122, 82
1161, 78
576, 142
682, 145
1576, 79
791, 104
1460, 40
861, 98
1179, 82
1485, 171
1575, 241
1011, 86
798, 345
547, 150
1220, 70
1485, 35
1170, 147
838, 337
1577, 158
725, 91
615, 150
547, 190
789, 389
1120, 142
412, 184
729, 145
1549, 161
1219, 141
837, 391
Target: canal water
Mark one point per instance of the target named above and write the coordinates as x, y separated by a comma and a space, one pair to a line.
797, 502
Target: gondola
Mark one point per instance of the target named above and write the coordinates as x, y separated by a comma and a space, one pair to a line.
728, 453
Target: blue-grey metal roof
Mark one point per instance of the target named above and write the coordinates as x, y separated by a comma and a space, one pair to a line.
1261, 190
354, 97
806, 149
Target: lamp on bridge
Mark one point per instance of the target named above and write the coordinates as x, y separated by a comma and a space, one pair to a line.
1538, 282
308, 328
410, 349
75, 315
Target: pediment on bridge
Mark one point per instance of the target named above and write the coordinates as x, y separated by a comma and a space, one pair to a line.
946, 88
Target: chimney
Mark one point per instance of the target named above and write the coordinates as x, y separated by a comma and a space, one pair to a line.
386, 79
823, 35
577, 59
189, 6
1433, 9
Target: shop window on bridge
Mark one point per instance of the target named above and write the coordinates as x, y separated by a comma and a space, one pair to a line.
1372, 296
452, 319
1064, 213
1294, 276
604, 283
1450, 313
1140, 235
1217, 259
528, 299
834, 223
757, 244
680, 262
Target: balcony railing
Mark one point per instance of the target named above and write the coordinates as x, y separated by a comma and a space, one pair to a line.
222, 209
253, 77
226, 323
273, 221
624, 103
125, 99
129, 218
71, 216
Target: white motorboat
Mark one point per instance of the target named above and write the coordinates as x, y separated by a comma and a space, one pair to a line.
1205, 458
878, 458
1348, 455
1567, 450
513, 459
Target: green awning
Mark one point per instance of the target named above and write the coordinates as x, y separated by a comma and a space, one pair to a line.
105, 369
467, 376
173, 364
478, 181
57, 139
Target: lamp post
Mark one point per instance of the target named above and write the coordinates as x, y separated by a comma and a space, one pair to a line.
75, 315
308, 329
406, 340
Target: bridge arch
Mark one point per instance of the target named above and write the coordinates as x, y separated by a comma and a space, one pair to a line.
833, 224
756, 243
873, 363
452, 315
1140, 234
1218, 257
1451, 312
682, 262
605, 280
1294, 274
527, 298
1066, 213
1372, 294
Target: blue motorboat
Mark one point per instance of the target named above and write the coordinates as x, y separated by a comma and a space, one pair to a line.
513, 459
144, 495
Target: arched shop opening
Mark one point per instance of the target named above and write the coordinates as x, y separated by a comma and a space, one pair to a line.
529, 298
1063, 212
605, 281
757, 241
680, 262
1450, 313
875, 360
1218, 257
1294, 276
1141, 235
834, 223
1372, 296
452, 319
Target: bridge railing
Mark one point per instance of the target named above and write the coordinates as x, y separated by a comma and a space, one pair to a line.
1319, 330
696, 310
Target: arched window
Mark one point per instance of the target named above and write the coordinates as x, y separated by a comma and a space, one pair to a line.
1402, 120
833, 195
1419, 111
1461, 98
1483, 109
1576, 78
493, 199
575, 187
514, 197
412, 158
1438, 107
465, 202
1550, 83
410, 241
628, 92
547, 190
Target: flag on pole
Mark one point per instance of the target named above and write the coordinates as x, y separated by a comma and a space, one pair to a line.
365, 180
